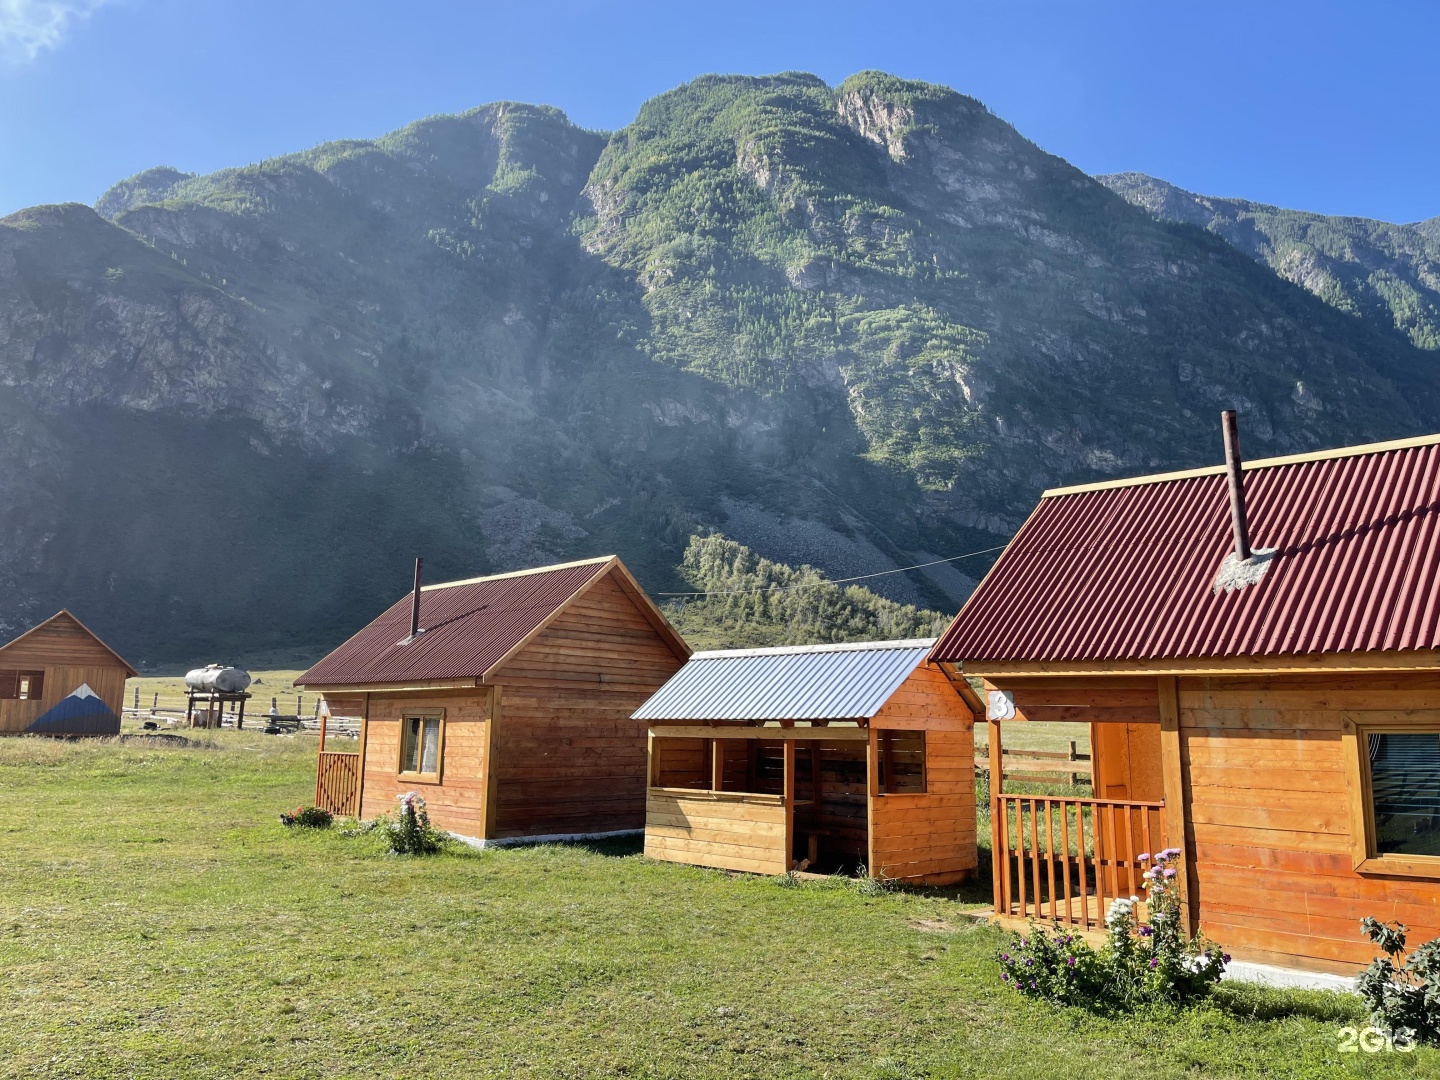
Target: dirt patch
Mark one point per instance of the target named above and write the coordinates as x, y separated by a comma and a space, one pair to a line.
933, 926
155, 739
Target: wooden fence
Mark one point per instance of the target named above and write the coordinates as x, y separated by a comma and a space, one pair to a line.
1063, 860
1041, 766
337, 783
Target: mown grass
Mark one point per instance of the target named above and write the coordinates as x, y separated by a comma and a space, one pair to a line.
156, 920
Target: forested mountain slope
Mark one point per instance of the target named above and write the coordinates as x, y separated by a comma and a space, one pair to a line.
1387, 274
858, 327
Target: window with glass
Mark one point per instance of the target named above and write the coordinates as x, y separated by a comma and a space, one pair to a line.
422, 737
1404, 792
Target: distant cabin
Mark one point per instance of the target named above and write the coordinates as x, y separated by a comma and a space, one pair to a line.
1276, 718
825, 758
59, 678
510, 711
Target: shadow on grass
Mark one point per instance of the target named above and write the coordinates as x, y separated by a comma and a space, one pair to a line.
1250, 1001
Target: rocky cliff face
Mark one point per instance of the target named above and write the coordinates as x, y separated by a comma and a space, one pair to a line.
859, 326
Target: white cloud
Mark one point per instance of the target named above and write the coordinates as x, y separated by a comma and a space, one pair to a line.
30, 27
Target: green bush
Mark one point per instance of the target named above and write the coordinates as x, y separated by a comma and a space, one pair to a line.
1402, 992
308, 817
409, 832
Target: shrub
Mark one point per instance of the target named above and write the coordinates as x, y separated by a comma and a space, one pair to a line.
409, 832
1402, 992
1140, 963
308, 817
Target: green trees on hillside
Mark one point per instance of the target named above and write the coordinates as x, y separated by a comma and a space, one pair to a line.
753, 602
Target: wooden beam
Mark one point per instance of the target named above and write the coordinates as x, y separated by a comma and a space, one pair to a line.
360, 783
490, 788
789, 791
871, 786
775, 734
1176, 796
717, 765
1377, 660
999, 858
392, 688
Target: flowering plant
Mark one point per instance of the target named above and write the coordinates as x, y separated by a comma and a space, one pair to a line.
308, 817
410, 832
1140, 962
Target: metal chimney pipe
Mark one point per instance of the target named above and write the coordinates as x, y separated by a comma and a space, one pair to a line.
1237, 484
415, 601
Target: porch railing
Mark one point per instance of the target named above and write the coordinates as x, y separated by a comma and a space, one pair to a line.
337, 783
1063, 860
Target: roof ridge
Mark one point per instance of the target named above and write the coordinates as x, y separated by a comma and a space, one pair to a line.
516, 573
839, 646
1259, 463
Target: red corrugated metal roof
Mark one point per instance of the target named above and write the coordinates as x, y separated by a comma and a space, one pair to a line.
468, 626
1125, 571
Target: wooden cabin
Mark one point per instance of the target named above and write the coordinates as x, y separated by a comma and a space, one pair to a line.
1256, 651
508, 708
823, 758
58, 678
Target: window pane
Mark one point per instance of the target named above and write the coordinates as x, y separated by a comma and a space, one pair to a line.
410, 751
1405, 787
429, 760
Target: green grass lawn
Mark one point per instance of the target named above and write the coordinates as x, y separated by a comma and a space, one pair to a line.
156, 920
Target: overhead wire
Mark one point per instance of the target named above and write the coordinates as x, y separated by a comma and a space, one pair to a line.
833, 581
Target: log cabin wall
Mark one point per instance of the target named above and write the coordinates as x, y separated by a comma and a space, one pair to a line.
68, 655
1268, 831
568, 757
457, 803
931, 837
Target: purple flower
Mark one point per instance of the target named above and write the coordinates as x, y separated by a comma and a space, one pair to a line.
1169, 871
1004, 977
1145, 931
1225, 957
1153, 961
1005, 956
1142, 858
1029, 962
1070, 960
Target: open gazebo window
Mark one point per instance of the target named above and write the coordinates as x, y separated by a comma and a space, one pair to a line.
422, 745
901, 764
1395, 807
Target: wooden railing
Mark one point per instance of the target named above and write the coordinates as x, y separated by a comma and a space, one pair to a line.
1063, 860
337, 783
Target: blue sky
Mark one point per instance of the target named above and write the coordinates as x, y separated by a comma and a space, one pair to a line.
1320, 106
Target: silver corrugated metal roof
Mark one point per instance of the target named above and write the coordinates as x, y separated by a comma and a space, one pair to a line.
809, 682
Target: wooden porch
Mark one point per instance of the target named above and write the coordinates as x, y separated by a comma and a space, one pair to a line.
1063, 860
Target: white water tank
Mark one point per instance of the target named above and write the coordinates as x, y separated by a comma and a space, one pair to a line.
227, 680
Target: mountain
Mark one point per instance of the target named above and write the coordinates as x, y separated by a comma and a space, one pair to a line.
1386, 274
858, 327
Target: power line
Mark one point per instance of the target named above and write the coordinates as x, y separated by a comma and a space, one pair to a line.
836, 581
